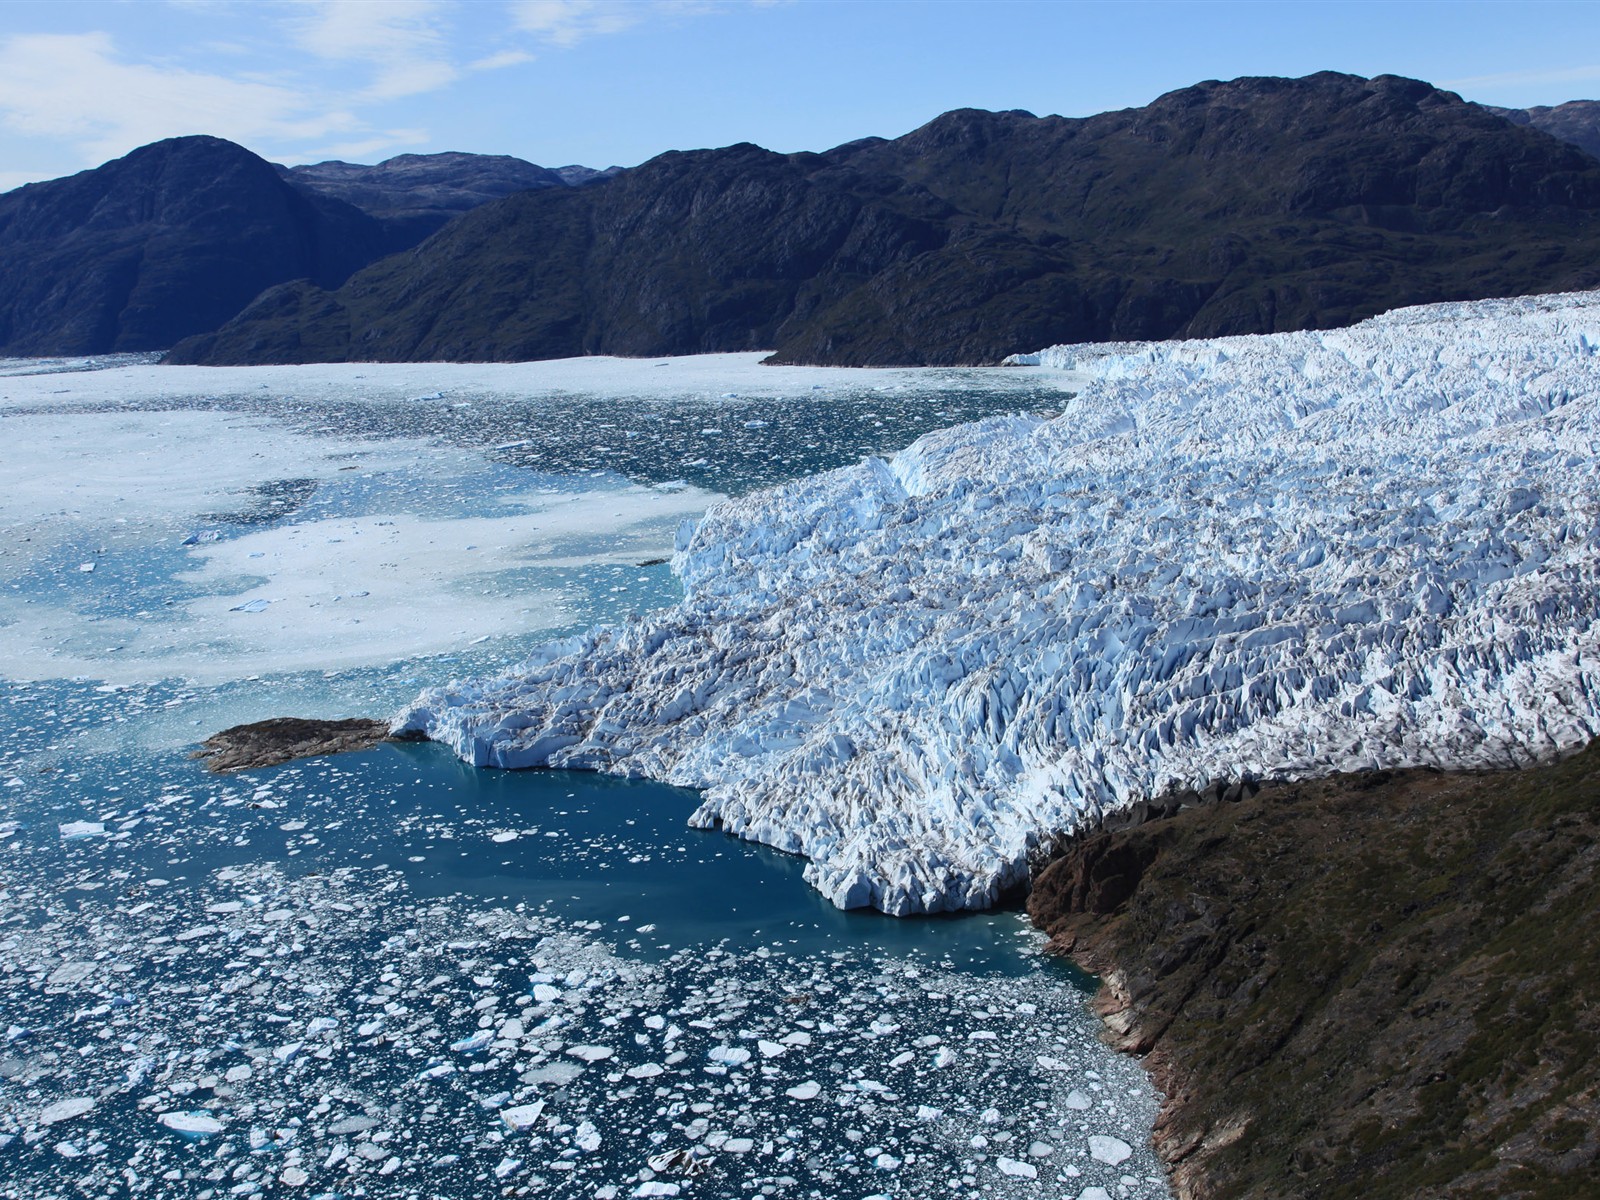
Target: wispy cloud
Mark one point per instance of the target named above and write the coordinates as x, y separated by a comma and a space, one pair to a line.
1548, 75
402, 41
565, 23
568, 22
75, 87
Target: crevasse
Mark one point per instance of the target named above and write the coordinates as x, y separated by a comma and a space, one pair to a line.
1240, 557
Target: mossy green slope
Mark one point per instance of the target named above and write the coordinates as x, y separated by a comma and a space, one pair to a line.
1370, 985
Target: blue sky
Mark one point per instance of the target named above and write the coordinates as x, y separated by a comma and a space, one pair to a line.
616, 81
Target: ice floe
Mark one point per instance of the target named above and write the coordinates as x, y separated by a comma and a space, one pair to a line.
1224, 559
236, 1063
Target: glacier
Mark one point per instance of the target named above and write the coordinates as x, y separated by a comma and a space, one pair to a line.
1226, 559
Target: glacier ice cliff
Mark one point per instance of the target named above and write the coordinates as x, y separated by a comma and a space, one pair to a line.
1239, 557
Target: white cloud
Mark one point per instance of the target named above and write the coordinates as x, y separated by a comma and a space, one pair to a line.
403, 40
369, 148
1549, 75
506, 58
74, 87
568, 22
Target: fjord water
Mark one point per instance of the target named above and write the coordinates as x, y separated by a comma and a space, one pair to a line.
389, 973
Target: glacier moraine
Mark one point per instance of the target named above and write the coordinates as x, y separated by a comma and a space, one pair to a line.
1232, 558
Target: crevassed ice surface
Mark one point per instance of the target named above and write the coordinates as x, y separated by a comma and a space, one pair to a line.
1254, 556
389, 974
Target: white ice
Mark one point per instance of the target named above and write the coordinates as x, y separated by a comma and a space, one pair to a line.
1273, 556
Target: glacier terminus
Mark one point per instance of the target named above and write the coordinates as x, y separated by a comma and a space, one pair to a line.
1229, 559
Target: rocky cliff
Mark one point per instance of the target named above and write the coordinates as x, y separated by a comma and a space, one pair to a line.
1377, 984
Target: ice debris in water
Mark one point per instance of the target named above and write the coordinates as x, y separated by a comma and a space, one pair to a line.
252, 1059
1232, 558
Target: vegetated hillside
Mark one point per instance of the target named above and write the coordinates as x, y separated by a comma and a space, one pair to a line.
1576, 121
1371, 985
413, 195
171, 240
1251, 206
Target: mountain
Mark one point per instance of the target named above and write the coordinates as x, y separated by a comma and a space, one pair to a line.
169, 241
1249, 206
413, 195
1576, 121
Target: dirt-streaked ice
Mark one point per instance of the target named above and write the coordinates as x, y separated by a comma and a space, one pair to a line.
1254, 556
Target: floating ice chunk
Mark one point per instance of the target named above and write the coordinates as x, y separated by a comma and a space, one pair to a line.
645, 1071
738, 1145
886, 1162
287, 1051
928, 1113
82, 829
1078, 1100
65, 1110
543, 993
474, 1043
591, 1054
192, 1125
251, 606
1109, 1150
1021, 1170
506, 1166
321, 1025
1040, 1149
730, 1056
86, 567
505, 835
238, 1074
70, 973
293, 1177
657, 1187
809, 1090
1052, 1064
437, 1071
522, 1118
1094, 1193
771, 1049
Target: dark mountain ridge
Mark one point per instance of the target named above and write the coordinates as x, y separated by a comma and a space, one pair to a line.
1576, 122
171, 240
176, 237
414, 195
1249, 206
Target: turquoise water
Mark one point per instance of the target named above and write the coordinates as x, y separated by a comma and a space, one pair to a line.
390, 974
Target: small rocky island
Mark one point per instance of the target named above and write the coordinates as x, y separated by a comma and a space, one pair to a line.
1381, 983
284, 739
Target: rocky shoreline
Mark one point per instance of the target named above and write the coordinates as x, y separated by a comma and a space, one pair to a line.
1375, 983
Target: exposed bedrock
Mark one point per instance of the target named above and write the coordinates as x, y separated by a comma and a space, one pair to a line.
284, 739
1241, 558
1380, 984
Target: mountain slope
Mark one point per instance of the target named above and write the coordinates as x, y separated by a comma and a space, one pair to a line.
413, 195
1379, 984
171, 240
1576, 121
1252, 206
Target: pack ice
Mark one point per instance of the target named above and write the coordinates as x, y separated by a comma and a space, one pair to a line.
1240, 557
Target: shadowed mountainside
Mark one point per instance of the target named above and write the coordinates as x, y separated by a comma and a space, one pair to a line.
1252, 206
413, 195
1381, 984
168, 241
1576, 121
